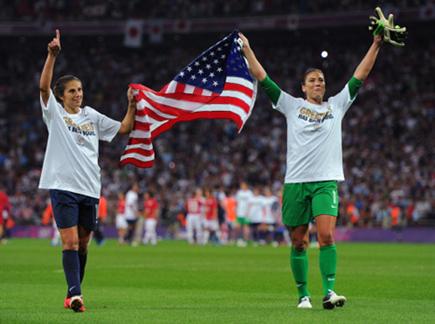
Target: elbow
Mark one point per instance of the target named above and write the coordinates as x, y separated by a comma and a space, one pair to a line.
125, 129
361, 75
44, 89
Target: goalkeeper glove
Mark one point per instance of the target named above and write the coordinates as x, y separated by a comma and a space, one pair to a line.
393, 34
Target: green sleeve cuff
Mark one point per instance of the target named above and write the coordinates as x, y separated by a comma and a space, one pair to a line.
271, 88
354, 85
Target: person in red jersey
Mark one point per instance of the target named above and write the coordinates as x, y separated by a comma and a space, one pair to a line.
211, 223
5, 209
194, 211
151, 214
121, 222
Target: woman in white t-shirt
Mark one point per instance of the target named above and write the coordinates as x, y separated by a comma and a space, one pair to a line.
70, 170
314, 164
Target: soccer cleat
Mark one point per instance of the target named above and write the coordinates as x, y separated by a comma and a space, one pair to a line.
332, 300
75, 303
305, 302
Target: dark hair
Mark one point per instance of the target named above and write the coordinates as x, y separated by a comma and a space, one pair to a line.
308, 71
59, 85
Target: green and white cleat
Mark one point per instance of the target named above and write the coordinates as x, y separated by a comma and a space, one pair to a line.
332, 300
305, 302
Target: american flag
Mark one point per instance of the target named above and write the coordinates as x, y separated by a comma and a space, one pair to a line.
216, 85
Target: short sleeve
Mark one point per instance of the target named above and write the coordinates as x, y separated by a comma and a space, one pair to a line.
107, 127
286, 103
49, 109
342, 100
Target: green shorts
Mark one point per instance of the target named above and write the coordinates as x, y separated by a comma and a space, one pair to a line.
242, 220
301, 202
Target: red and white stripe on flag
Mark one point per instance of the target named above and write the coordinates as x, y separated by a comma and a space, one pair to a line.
158, 111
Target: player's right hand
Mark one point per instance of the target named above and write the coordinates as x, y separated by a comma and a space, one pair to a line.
54, 45
245, 42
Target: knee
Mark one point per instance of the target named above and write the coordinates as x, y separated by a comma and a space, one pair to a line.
326, 239
300, 244
70, 244
83, 249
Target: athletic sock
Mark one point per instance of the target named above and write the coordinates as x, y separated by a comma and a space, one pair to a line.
328, 265
299, 266
82, 259
71, 267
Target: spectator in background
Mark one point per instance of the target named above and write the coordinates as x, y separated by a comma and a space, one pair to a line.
47, 218
151, 215
131, 211
255, 213
5, 208
194, 217
243, 195
211, 223
101, 219
121, 222
230, 206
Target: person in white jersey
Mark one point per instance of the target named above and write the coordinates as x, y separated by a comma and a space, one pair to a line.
242, 197
270, 203
314, 165
131, 213
70, 170
255, 214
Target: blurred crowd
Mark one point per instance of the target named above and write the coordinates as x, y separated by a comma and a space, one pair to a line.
62, 10
388, 134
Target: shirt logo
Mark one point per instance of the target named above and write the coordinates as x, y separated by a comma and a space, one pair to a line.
312, 116
87, 129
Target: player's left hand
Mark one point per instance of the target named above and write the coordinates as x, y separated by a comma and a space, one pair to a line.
131, 98
385, 28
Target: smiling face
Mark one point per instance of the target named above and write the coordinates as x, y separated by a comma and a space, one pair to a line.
314, 86
72, 95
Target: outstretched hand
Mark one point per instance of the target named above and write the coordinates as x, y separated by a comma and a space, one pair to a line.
245, 43
131, 98
387, 29
54, 45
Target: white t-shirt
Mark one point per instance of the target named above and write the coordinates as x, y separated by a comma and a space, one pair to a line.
269, 214
71, 156
242, 198
256, 209
131, 205
314, 151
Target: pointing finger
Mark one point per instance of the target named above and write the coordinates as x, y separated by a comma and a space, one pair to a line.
58, 34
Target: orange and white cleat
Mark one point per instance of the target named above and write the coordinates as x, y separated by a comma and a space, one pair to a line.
75, 303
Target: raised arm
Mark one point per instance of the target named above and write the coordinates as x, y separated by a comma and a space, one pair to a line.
128, 121
367, 63
272, 89
47, 71
255, 67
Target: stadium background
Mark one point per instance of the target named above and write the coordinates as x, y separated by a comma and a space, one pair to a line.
388, 135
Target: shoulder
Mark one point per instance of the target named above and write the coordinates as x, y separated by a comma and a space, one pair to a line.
91, 112
287, 99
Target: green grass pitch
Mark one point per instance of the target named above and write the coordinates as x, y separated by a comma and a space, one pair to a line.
177, 283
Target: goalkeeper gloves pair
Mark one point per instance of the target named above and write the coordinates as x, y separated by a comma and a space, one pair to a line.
393, 34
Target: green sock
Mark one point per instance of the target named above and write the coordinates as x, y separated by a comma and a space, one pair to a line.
299, 266
328, 265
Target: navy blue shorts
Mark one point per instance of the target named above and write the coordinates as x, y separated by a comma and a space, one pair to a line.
71, 209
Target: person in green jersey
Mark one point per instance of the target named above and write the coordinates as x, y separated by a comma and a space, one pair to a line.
314, 165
